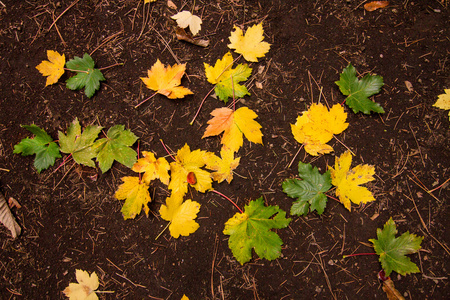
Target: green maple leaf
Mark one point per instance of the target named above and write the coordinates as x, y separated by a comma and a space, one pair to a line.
251, 229
392, 250
359, 91
80, 145
42, 145
116, 146
309, 191
224, 88
87, 77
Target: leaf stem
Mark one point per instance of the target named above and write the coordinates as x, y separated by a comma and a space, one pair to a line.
201, 104
358, 254
146, 100
219, 193
163, 230
165, 148
79, 71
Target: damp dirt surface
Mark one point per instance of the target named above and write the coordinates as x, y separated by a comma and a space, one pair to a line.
70, 219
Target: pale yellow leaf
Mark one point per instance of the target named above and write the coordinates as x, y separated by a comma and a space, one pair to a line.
85, 288
185, 18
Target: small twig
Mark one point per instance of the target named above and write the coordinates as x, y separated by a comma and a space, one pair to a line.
56, 20
201, 104
216, 244
165, 148
167, 226
146, 100
292, 161
114, 65
344, 145
106, 41
418, 147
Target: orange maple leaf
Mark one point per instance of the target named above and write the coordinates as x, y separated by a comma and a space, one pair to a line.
166, 81
234, 124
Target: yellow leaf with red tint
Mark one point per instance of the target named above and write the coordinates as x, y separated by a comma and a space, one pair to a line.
316, 126
374, 5
153, 168
347, 181
180, 214
250, 45
166, 81
187, 162
53, 68
136, 195
85, 288
223, 166
234, 124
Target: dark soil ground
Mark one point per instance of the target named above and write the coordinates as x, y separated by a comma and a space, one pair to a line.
71, 221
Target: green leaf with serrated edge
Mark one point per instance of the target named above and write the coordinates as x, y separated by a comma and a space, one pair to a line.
42, 145
87, 77
392, 250
116, 146
359, 91
309, 191
80, 145
224, 88
251, 230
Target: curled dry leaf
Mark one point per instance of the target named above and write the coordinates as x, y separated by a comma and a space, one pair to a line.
374, 5
7, 218
182, 35
171, 5
391, 291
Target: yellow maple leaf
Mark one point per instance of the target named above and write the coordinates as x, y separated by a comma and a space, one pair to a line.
184, 297
185, 18
53, 68
153, 168
85, 288
443, 101
186, 162
249, 45
234, 124
223, 166
180, 214
166, 81
347, 181
215, 74
316, 126
136, 195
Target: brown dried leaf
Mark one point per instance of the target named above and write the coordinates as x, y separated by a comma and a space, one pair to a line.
182, 35
7, 218
374, 5
391, 292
